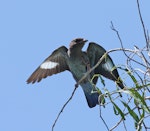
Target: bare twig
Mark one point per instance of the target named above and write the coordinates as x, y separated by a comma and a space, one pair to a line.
124, 125
103, 119
147, 98
142, 22
116, 124
114, 29
63, 108
141, 55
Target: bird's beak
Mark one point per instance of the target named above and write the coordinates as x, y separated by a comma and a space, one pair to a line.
85, 41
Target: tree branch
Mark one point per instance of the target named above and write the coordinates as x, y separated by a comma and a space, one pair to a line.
64, 107
103, 119
142, 22
129, 58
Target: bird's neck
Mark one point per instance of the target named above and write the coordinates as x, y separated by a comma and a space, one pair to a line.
74, 52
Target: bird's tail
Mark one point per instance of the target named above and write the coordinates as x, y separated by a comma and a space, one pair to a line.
90, 94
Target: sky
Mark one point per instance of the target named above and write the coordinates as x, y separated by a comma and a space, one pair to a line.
30, 30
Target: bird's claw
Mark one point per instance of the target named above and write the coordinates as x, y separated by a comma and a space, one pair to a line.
76, 85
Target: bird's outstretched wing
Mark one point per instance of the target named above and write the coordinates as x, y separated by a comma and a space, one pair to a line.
54, 64
106, 68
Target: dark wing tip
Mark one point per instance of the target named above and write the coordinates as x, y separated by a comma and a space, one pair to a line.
30, 80
40, 74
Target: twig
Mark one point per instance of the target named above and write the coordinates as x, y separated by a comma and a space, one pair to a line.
103, 119
147, 98
142, 22
141, 55
113, 28
116, 124
63, 108
124, 125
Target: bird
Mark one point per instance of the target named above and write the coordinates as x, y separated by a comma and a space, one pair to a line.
78, 62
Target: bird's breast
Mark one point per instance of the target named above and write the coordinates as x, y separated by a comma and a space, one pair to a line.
77, 67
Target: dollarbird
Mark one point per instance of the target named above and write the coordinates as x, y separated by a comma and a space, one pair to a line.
78, 62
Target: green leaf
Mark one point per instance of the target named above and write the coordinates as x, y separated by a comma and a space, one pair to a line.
102, 80
139, 125
116, 108
142, 86
119, 111
138, 98
132, 77
131, 112
115, 111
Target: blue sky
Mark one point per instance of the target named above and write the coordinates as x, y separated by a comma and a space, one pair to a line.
30, 30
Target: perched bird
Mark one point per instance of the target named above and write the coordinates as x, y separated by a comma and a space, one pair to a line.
78, 63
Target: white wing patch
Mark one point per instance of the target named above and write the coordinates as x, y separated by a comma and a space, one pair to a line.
49, 65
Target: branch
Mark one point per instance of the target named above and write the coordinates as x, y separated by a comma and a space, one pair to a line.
141, 55
113, 28
63, 108
142, 22
116, 124
129, 58
103, 119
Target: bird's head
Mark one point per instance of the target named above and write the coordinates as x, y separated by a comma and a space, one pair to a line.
78, 42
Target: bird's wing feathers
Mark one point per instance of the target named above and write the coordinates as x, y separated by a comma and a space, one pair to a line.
54, 64
107, 67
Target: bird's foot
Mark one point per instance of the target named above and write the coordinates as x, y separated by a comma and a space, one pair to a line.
76, 85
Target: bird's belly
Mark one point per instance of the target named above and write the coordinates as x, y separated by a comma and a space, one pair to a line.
78, 70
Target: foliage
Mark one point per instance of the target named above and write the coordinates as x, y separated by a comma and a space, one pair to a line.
134, 102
